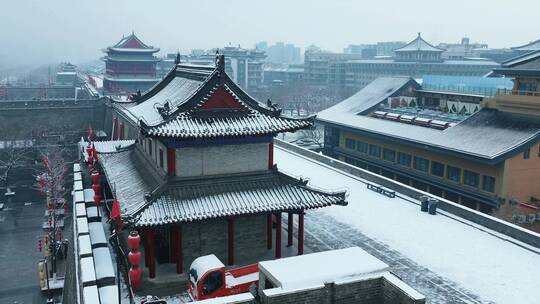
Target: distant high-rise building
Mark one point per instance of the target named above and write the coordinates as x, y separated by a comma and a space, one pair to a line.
261, 46
387, 48
130, 65
280, 53
462, 50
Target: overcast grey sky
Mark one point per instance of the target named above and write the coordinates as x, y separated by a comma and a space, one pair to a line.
42, 31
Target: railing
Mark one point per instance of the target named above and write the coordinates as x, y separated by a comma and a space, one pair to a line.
517, 92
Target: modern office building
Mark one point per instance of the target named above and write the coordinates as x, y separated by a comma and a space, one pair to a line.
346, 74
475, 151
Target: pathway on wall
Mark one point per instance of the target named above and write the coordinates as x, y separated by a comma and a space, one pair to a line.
324, 233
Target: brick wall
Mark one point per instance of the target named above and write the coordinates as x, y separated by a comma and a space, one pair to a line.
383, 288
195, 161
211, 238
319, 295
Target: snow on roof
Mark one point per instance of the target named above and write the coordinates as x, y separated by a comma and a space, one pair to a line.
495, 267
321, 267
90, 295
88, 195
112, 146
77, 186
479, 136
88, 274
97, 234
82, 225
238, 298
92, 212
78, 196
522, 59
80, 210
108, 294
85, 249
77, 176
103, 263
418, 44
374, 93
204, 263
531, 46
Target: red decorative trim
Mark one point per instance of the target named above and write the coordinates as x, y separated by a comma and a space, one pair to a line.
221, 99
133, 43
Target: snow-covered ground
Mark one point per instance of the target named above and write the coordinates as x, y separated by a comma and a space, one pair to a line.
476, 260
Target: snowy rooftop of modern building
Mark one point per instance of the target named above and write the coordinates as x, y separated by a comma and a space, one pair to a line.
491, 265
488, 135
321, 267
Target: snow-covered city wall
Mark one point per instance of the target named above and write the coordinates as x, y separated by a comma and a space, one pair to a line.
506, 228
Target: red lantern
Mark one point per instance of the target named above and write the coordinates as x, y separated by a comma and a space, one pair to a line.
97, 199
95, 177
135, 277
134, 240
40, 245
96, 188
134, 258
89, 150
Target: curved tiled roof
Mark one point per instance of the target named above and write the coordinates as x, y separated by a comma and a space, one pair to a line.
174, 108
222, 197
419, 44
188, 126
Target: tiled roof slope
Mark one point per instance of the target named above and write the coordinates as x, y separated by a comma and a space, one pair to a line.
175, 107
146, 200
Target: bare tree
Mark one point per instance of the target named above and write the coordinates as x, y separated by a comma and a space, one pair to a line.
52, 186
13, 153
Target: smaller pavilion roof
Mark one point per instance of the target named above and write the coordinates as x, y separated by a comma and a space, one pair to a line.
132, 43
419, 44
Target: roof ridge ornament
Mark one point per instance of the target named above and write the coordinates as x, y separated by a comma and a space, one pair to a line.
220, 62
177, 60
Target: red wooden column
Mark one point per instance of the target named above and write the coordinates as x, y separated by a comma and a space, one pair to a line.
289, 229
152, 253
179, 251
269, 231
230, 241
171, 161
120, 130
114, 124
173, 231
301, 232
271, 155
278, 235
146, 248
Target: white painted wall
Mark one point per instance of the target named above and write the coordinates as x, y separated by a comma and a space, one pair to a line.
197, 161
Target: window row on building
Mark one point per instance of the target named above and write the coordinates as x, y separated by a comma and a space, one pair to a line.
426, 166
